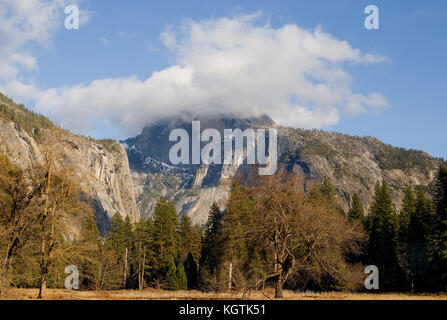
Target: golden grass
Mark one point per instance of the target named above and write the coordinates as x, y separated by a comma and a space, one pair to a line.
153, 294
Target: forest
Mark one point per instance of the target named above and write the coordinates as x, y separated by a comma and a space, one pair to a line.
272, 234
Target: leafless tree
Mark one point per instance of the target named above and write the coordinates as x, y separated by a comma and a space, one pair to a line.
302, 234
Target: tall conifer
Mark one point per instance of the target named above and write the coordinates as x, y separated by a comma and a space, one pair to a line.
356, 212
382, 245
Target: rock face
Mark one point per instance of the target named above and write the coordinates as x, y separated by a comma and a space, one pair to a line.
192, 188
354, 164
102, 166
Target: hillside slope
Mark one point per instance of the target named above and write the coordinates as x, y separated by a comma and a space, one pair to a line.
102, 166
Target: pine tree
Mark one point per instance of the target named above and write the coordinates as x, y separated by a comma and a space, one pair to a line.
186, 235
211, 250
196, 244
166, 239
119, 239
128, 247
172, 280
116, 234
382, 246
440, 194
356, 215
181, 277
239, 247
191, 239
356, 212
143, 250
408, 210
210, 271
87, 247
327, 190
191, 268
439, 234
417, 242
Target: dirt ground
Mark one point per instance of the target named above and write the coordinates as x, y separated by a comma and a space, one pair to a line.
152, 294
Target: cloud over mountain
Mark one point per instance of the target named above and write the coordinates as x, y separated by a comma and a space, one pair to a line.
235, 64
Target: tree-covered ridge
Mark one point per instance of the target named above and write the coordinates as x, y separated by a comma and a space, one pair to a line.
310, 143
31, 122
34, 123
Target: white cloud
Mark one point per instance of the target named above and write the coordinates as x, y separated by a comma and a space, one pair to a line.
25, 22
357, 103
234, 65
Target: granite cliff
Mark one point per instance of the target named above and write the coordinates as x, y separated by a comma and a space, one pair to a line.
102, 166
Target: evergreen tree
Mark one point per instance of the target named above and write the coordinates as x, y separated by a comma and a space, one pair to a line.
191, 268
87, 248
191, 238
326, 191
418, 243
143, 254
196, 244
440, 194
382, 246
239, 245
116, 235
211, 256
120, 239
439, 234
166, 239
356, 215
172, 280
186, 235
356, 212
408, 209
181, 277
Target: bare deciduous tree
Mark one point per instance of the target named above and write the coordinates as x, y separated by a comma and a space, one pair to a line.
302, 234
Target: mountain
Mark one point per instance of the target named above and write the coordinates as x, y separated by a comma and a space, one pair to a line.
192, 188
130, 176
102, 165
354, 164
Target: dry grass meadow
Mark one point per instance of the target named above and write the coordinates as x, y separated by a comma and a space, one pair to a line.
153, 294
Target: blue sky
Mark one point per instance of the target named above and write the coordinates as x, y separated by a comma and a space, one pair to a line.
122, 39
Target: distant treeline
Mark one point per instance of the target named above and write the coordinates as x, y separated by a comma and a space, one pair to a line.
271, 234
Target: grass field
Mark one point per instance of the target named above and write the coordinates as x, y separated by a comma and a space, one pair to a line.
152, 294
